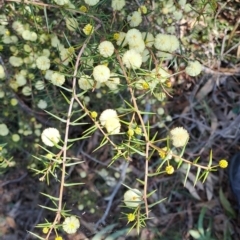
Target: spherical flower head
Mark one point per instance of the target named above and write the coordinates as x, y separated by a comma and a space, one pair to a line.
116, 36
88, 29
182, 2
169, 169
117, 5
162, 152
113, 82
113, 126
50, 136
130, 132
132, 198
83, 9
65, 56
160, 74
138, 46
3, 129
3, 30
33, 36
61, 2
91, 2
42, 104
109, 119
48, 74
106, 114
55, 42
94, 114
141, 84
179, 136
20, 79
134, 19
194, 68
148, 38
132, 59
223, 163
3, 19
27, 91
15, 61
106, 49
18, 27
142, 9
71, 24
39, 85
43, 63
165, 42
121, 40
145, 55
14, 101
138, 131
45, 230
58, 238
161, 96
2, 72
133, 35
26, 34
71, 224
85, 82
15, 137
57, 79
101, 73
131, 217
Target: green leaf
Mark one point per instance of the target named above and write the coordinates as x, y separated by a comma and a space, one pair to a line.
46, 17
153, 204
142, 182
51, 209
49, 196
58, 118
226, 204
117, 234
135, 150
73, 163
149, 194
200, 221
197, 176
210, 159
195, 234
35, 235
103, 232
72, 184
187, 172
67, 100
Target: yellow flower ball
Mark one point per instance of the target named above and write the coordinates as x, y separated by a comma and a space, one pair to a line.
223, 163
116, 36
142, 9
88, 29
169, 169
131, 217
58, 238
130, 132
45, 230
94, 114
138, 131
83, 9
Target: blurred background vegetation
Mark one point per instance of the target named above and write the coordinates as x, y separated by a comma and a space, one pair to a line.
208, 106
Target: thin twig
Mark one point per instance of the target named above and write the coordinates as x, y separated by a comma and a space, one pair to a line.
143, 127
64, 149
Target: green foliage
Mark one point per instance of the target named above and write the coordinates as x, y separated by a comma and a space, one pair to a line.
202, 233
64, 61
